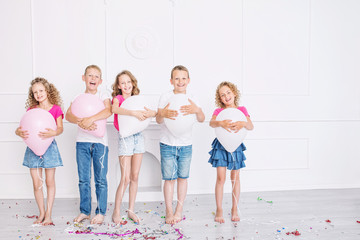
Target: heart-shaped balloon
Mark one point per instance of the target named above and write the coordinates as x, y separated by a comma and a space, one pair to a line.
182, 124
231, 140
34, 121
87, 105
129, 125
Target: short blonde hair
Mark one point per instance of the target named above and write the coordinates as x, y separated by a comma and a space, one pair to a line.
94, 67
117, 91
180, 68
233, 88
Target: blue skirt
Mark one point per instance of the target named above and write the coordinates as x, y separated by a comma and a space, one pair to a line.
219, 157
50, 159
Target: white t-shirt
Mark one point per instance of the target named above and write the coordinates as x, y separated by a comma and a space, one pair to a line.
166, 136
87, 137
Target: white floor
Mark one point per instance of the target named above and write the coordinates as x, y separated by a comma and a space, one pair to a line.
265, 215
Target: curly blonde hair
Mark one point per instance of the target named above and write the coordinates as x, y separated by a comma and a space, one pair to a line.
115, 86
233, 88
51, 91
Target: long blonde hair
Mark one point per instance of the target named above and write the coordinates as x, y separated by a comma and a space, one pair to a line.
115, 86
51, 91
233, 88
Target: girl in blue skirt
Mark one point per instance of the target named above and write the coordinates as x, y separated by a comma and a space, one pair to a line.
227, 96
43, 94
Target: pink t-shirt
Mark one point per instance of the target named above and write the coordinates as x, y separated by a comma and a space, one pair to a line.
121, 100
55, 111
242, 108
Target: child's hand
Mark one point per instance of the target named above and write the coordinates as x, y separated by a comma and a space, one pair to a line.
168, 113
189, 109
140, 115
149, 112
236, 126
49, 133
85, 123
23, 134
226, 124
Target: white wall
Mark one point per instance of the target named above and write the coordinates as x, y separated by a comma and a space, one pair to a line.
296, 63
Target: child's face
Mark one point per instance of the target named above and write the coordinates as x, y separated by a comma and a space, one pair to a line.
227, 96
180, 80
92, 79
125, 84
39, 92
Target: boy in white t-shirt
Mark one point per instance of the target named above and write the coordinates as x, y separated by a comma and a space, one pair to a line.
91, 148
176, 152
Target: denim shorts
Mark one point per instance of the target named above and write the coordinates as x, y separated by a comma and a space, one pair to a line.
175, 161
50, 159
131, 145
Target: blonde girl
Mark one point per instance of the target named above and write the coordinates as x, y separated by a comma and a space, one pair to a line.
227, 96
43, 94
130, 148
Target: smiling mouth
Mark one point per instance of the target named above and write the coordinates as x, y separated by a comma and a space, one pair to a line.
92, 83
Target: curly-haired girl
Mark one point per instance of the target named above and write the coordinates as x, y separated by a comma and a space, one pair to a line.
227, 96
43, 94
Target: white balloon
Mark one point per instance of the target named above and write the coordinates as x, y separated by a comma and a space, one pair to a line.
129, 125
182, 124
231, 140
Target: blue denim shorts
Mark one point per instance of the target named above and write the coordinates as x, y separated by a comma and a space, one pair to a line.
50, 159
131, 145
175, 161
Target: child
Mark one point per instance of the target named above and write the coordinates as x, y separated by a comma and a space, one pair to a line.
227, 96
91, 148
43, 94
131, 148
176, 152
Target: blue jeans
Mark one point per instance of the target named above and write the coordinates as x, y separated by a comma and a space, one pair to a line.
98, 154
175, 161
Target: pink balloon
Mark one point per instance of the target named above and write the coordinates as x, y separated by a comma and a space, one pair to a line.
87, 105
34, 121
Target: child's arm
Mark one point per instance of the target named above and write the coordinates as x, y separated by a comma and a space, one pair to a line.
193, 109
236, 126
141, 115
226, 124
23, 134
52, 133
87, 122
165, 113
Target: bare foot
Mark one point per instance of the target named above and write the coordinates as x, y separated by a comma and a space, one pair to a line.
219, 216
81, 217
234, 215
39, 219
169, 218
133, 216
116, 217
98, 219
47, 222
177, 217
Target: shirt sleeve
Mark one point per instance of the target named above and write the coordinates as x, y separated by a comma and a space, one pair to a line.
58, 112
243, 109
217, 111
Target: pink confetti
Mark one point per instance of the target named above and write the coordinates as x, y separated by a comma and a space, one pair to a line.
33, 216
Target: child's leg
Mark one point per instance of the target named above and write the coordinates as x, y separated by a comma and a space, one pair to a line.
168, 195
181, 194
51, 189
36, 174
125, 166
235, 181
134, 176
83, 159
100, 163
184, 160
219, 192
